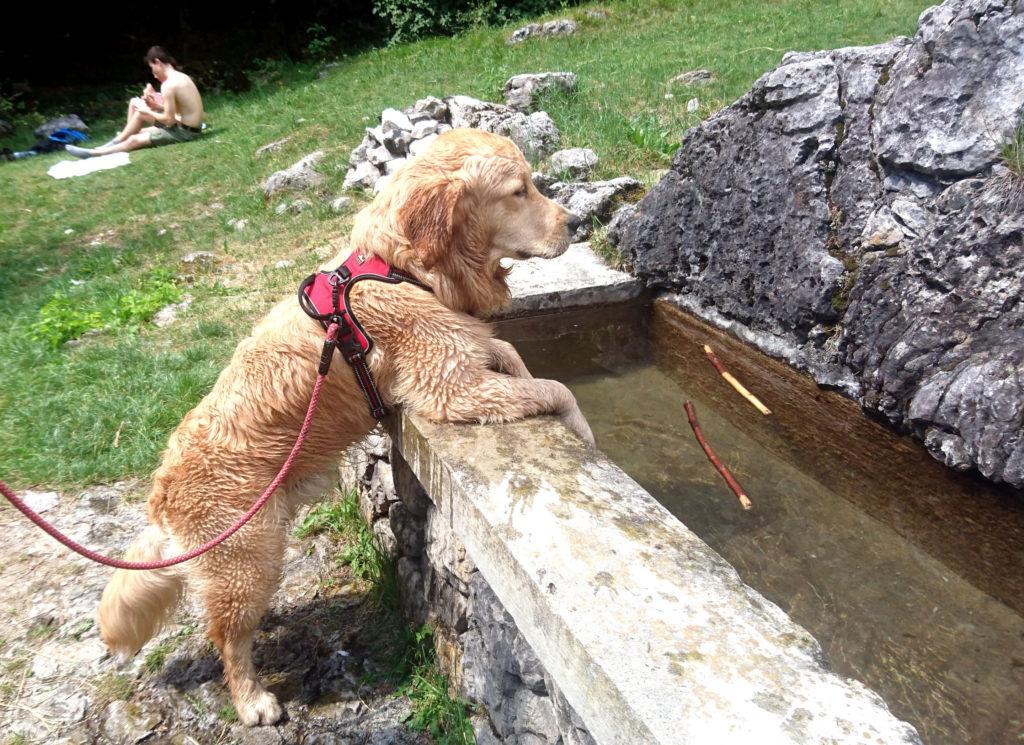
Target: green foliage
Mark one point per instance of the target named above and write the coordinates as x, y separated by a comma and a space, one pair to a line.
412, 19
320, 43
40, 631
112, 686
609, 254
265, 72
339, 517
228, 714
1013, 152
647, 133
77, 631
361, 551
67, 316
412, 661
157, 656
10, 107
434, 710
61, 319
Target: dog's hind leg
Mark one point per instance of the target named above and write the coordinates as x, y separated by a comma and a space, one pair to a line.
135, 604
237, 581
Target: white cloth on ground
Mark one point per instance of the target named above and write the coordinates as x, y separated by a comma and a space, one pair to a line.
69, 168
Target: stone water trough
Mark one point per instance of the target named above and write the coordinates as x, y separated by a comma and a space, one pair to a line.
570, 604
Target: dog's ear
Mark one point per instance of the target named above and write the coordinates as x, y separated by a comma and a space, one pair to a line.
427, 218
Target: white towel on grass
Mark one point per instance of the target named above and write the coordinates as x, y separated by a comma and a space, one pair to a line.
69, 168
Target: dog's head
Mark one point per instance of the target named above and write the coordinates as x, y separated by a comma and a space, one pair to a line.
454, 212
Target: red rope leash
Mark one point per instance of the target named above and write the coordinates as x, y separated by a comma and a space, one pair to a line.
78, 548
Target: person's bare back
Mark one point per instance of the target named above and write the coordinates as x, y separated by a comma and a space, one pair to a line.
188, 104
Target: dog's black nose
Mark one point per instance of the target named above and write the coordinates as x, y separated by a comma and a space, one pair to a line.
573, 222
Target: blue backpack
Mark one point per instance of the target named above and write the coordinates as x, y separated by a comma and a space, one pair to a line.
68, 136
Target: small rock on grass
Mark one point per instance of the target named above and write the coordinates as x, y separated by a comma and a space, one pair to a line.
169, 313
576, 162
693, 78
284, 264
342, 204
272, 147
297, 206
521, 91
300, 176
199, 258
560, 27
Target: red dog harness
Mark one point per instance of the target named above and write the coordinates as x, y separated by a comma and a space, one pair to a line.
325, 297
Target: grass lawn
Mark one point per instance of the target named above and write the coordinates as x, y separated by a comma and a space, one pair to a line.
105, 250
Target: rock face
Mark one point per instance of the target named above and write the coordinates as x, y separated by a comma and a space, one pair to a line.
936, 337
851, 215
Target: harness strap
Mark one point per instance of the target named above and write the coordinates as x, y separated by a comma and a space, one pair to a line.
353, 341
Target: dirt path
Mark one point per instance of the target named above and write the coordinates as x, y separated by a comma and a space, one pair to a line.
319, 644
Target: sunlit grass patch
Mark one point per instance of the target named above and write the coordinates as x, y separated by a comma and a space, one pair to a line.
103, 410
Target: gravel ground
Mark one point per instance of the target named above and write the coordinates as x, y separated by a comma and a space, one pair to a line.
319, 644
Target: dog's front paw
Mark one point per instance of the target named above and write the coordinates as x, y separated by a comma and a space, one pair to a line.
260, 707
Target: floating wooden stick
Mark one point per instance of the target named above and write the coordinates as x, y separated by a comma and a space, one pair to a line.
691, 414
735, 383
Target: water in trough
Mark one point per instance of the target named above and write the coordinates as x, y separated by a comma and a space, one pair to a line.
911, 576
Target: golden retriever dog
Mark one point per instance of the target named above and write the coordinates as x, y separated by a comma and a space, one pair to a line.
446, 218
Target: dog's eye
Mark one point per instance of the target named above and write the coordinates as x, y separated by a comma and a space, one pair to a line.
521, 193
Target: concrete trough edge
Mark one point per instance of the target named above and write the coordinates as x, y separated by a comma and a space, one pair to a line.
650, 635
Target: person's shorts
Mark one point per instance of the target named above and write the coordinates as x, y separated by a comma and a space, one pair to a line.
169, 135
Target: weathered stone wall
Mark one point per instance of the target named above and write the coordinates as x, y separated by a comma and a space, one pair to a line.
487, 660
851, 214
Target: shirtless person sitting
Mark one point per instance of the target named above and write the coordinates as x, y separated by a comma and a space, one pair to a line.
176, 112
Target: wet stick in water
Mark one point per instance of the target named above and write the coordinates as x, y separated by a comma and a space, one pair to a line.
741, 389
691, 414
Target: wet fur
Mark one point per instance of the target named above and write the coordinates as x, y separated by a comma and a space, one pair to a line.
447, 218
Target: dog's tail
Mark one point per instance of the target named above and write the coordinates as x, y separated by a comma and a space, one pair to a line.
135, 604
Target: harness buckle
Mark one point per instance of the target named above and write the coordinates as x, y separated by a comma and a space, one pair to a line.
351, 350
339, 276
